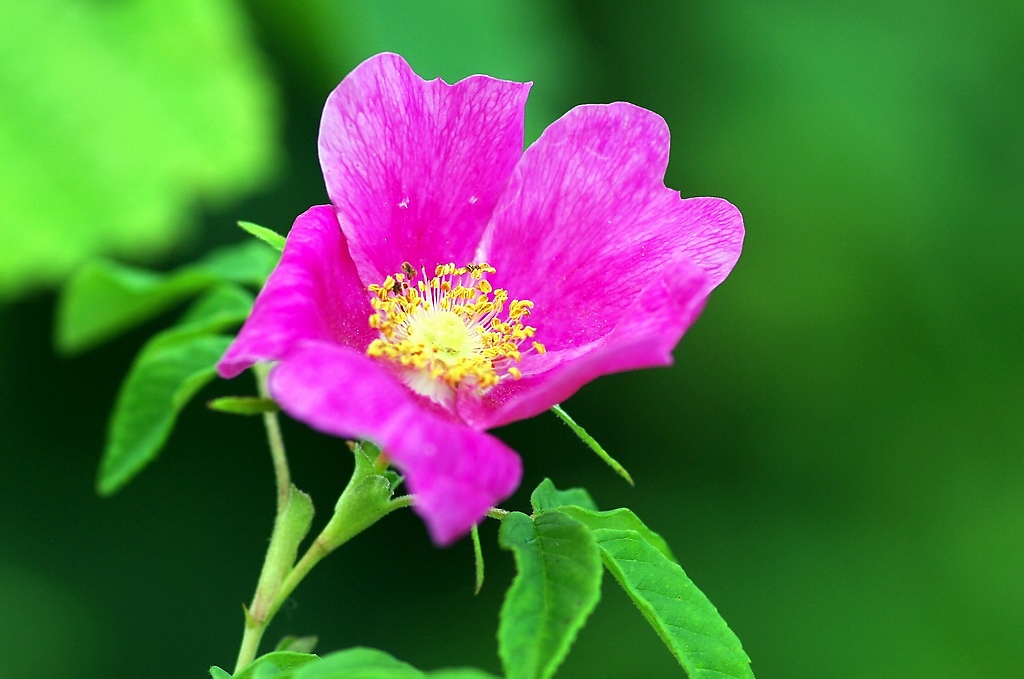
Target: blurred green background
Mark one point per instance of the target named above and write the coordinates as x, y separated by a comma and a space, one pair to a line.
836, 457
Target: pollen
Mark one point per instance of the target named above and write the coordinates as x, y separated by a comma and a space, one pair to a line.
450, 331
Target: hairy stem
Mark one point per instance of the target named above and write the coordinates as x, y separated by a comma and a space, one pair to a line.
258, 615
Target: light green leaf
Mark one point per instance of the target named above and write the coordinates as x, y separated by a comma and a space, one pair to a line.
546, 497
592, 444
169, 370
218, 673
358, 663
478, 559
369, 663
271, 238
619, 519
297, 644
682, 616
104, 298
243, 405
224, 306
119, 120
277, 665
576, 503
555, 590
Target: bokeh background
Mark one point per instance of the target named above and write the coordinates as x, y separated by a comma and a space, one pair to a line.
836, 456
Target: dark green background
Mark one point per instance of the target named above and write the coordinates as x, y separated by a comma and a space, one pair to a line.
836, 457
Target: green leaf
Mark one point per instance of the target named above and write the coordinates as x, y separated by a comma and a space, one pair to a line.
576, 503
104, 299
682, 616
555, 590
223, 306
460, 673
594, 445
271, 238
478, 559
169, 370
277, 665
546, 497
218, 673
120, 120
359, 663
243, 405
620, 519
297, 644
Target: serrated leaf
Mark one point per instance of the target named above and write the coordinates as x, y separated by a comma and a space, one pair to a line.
557, 586
592, 444
243, 405
682, 616
358, 663
546, 497
576, 503
619, 519
104, 299
169, 370
271, 238
119, 119
277, 665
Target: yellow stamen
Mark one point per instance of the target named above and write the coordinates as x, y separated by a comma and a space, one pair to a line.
449, 331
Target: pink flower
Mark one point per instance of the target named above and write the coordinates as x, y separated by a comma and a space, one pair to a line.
457, 283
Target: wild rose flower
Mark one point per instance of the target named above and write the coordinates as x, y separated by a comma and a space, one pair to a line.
457, 283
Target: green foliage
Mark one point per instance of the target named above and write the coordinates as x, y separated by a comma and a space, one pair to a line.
478, 560
545, 496
118, 119
271, 238
682, 616
297, 644
276, 665
104, 298
557, 586
620, 519
642, 562
218, 673
169, 370
353, 663
592, 444
243, 405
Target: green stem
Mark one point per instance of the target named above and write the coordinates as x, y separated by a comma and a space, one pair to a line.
256, 616
274, 438
365, 500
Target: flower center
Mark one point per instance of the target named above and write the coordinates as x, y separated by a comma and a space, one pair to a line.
450, 331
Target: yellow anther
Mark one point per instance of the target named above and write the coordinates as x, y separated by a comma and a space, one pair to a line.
449, 329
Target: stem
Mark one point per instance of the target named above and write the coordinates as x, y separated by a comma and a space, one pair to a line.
274, 438
365, 500
256, 618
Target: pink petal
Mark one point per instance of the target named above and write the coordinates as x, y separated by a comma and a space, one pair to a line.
313, 294
456, 473
416, 167
587, 223
644, 337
